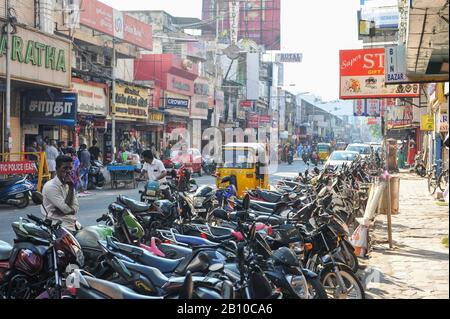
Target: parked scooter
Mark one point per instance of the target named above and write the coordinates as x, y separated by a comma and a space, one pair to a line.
16, 191
419, 165
208, 165
96, 178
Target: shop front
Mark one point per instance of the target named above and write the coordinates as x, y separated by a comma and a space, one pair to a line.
38, 61
93, 106
131, 116
177, 119
46, 114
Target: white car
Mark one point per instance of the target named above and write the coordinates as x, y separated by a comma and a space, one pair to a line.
363, 149
339, 158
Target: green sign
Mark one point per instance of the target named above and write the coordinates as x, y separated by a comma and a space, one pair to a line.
35, 53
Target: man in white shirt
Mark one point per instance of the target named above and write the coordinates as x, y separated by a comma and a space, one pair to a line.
153, 167
60, 201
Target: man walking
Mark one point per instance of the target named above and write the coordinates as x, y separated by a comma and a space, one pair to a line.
85, 164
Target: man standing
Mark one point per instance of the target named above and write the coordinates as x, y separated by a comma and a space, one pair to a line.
59, 200
94, 150
85, 163
153, 167
51, 153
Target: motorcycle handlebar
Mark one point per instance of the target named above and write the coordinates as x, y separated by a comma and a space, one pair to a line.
35, 219
103, 218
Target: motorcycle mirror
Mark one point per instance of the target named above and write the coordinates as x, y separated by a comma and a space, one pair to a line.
216, 267
253, 231
246, 202
37, 198
187, 288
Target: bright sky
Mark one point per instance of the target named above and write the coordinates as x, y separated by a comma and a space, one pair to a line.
318, 29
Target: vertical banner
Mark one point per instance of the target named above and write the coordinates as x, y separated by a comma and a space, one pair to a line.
234, 21
359, 108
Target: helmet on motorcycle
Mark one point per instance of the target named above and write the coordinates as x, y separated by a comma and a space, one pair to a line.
165, 207
152, 185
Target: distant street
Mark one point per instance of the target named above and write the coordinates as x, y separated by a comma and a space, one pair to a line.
94, 205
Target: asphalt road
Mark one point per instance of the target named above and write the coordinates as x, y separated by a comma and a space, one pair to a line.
94, 205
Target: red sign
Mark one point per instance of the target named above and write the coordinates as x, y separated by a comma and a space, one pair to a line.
103, 18
372, 121
362, 76
180, 85
246, 104
25, 167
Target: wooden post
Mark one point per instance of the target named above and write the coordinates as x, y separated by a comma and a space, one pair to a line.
389, 220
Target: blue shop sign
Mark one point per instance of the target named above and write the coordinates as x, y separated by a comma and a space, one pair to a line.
179, 103
50, 107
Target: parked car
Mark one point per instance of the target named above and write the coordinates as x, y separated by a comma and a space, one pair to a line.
339, 158
363, 149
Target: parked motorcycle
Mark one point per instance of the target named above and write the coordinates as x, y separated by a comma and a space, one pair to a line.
208, 165
419, 165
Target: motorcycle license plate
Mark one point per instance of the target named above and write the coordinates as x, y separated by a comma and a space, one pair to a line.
200, 210
151, 193
149, 197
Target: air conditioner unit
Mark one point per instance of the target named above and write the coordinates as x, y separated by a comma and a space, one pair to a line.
100, 59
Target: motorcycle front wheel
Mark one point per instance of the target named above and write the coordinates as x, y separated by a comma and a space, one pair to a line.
23, 202
353, 288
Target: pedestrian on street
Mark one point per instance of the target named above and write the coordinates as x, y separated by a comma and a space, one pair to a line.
94, 151
70, 147
411, 152
59, 200
299, 150
61, 147
51, 153
76, 168
85, 164
168, 151
32, 149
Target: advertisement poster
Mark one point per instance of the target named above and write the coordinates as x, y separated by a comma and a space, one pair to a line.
362, 76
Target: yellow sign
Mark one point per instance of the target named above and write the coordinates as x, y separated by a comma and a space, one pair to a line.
131, 102
155, 116
427, 122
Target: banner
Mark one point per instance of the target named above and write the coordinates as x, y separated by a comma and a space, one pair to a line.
101, 17
92, 97
289, 57
443, 123
359, 108
25, 167
372, 121
362, 76
399, 115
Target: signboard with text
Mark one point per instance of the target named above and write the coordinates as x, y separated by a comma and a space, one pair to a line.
427, 122
131, 102
362, 76
24, 167
101, 17
49, 107
443, 123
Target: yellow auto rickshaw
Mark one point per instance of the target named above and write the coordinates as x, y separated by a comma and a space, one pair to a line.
248, 163
323, 151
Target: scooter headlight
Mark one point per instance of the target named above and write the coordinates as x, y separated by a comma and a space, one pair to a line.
198, 201
299, 285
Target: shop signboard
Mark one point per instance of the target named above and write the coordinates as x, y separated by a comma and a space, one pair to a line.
49, 107
37, 57
156, 117
427, 122
131, 102
92, 97
362, 76
252, 120
400, 114
443, 123
101, 17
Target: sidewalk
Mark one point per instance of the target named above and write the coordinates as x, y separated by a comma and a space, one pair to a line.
418, 264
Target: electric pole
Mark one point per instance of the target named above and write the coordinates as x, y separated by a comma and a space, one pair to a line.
113, 101
8, 141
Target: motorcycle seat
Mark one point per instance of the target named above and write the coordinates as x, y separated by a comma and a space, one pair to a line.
5, 250
114, 291
193, 240
270, 197
134, 205
154, 274
9, 182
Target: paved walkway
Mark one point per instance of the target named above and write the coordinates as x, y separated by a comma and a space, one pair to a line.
418, 264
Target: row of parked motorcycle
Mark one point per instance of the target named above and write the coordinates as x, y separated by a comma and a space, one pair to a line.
200, 242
